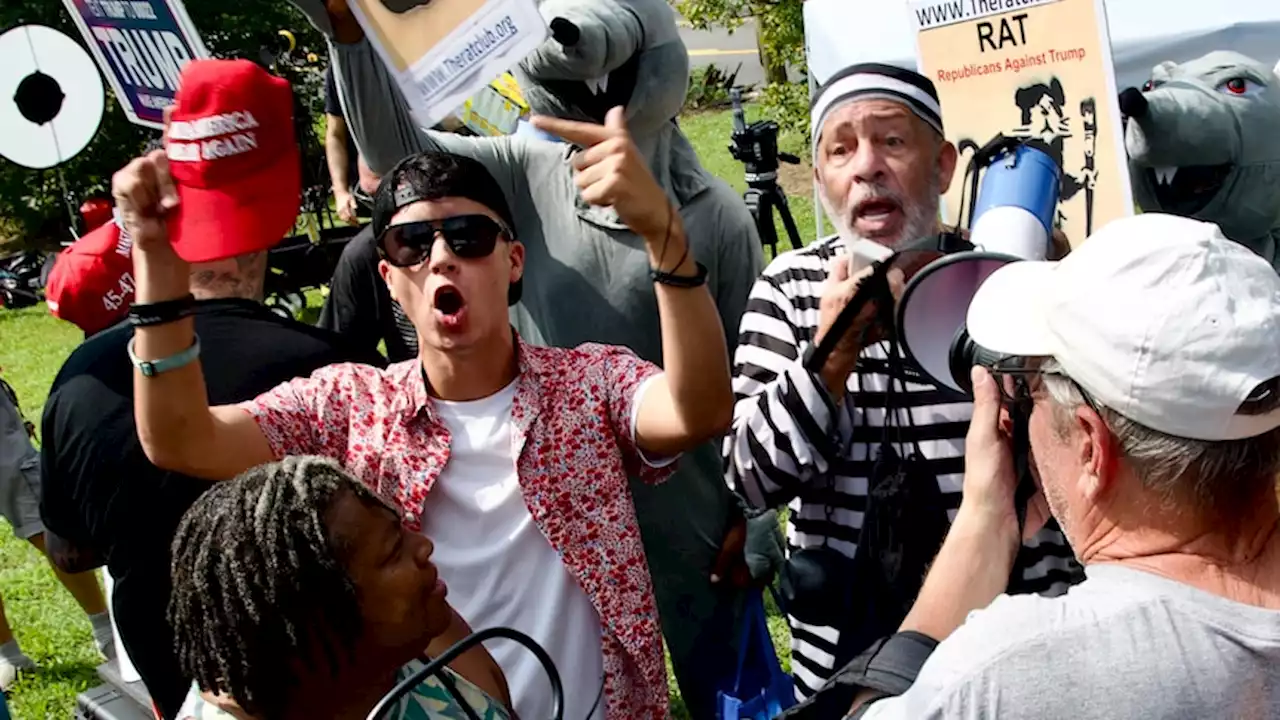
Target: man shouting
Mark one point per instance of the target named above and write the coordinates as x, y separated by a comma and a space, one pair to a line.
828, 438
513, 458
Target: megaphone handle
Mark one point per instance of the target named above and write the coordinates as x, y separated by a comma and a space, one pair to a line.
816, 356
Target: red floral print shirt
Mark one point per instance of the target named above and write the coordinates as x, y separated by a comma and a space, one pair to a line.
571, 420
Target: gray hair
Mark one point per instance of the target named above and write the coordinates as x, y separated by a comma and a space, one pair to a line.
1218, 479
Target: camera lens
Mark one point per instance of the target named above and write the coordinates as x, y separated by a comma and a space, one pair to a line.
965, 353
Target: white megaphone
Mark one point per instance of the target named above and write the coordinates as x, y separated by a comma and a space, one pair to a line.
1013, 220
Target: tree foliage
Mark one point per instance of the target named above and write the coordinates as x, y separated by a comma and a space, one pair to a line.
33, 206
780, 22
780, 34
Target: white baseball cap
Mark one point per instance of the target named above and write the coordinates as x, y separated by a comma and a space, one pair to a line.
1158, 317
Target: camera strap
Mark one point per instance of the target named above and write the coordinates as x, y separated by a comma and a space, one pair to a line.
819, 585
889, 667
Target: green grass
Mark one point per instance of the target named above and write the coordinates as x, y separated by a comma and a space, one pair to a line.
45, 618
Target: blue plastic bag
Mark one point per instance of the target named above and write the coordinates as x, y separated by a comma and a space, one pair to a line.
761, 691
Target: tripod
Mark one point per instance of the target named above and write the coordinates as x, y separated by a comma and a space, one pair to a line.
756, 147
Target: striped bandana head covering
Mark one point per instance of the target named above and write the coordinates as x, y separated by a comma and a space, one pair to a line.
873, 80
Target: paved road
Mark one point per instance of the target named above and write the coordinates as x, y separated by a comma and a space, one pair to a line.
726, 50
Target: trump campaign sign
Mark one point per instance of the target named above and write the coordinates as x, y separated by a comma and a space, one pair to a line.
141, 46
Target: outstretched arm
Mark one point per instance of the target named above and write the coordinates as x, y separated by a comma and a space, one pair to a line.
177, 427
691, 401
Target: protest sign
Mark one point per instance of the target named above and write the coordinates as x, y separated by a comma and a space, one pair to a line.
442, 52
496, 109
141, 47
1034, 69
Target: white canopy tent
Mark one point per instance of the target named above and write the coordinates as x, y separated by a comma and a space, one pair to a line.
1144, 33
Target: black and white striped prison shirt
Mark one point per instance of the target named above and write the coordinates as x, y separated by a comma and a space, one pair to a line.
780, 450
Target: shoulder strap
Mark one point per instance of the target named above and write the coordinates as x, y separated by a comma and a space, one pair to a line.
888, 667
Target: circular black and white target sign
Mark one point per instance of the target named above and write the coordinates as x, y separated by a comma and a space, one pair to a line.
51, 97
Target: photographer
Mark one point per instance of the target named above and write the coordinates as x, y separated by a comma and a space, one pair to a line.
837, 438
1155, 432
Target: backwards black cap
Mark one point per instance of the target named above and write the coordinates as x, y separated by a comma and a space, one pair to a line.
433, 175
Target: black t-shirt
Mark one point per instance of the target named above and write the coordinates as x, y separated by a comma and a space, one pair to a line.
99, 489
359, 306
333, 107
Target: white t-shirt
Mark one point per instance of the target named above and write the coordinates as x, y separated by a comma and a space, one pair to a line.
502, 571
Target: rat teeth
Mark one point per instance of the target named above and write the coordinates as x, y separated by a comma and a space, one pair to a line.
1165, 175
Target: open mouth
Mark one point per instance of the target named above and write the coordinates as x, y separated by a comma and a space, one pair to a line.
875, 215
448, 301
875, 209
1187, 190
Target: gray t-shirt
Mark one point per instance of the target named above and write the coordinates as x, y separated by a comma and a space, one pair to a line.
1122, 644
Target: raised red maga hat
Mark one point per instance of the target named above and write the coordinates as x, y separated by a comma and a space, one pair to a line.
91, 283
234, 157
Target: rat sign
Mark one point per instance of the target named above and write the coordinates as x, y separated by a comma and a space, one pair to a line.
1008, 35
1039, 71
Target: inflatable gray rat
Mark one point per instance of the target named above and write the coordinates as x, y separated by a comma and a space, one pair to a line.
587, 279
1203, 139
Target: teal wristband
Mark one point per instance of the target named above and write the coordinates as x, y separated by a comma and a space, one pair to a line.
151, 368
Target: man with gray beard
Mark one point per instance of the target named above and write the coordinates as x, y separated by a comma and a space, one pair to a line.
864, 443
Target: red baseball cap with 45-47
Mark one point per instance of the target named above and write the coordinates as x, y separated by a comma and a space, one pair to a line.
234, 158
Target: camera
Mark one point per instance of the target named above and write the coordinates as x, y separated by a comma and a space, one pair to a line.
756, 145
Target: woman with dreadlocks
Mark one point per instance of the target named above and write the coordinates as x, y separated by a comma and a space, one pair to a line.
297, 593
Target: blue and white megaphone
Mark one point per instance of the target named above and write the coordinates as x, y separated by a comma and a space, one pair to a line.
1013, 219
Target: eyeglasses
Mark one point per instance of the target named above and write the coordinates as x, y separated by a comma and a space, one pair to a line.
1013, 375
1017, 377
468, 236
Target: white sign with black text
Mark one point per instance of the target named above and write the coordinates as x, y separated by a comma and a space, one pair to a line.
442, 52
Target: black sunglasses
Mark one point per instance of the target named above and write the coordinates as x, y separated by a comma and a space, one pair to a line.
468, 236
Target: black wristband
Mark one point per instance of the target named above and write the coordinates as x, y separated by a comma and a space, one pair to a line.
680, 281
159, 313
